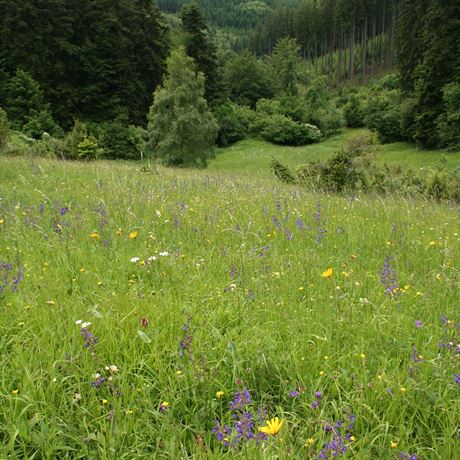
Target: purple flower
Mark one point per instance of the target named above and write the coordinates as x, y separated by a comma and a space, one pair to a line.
63, 211
288, 234
244, 426
318, 395
299, 224
90, 339
98, 382
418, 324
457, 378
241, 399
314, 405
388, 277
294, 394
222, 433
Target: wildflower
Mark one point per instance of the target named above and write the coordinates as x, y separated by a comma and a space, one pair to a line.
118, 232
244, 426
164, 254
152, 258
222, 433
144, 322
241, 398
133, 235
134, 259
98, 382
272, 426
352, 439
77, 398
104, 401
388, 277
294, 394
393, 444
219, 394
327, 273
418, 323
15, 392
309, 442
402, 390
112, 368
164, 406
457, 378
362, 356
94, 236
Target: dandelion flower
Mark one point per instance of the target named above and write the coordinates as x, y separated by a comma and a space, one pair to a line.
272, 427
327, 273
133, 235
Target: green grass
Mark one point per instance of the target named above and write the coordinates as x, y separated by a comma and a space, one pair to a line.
246, 300
253, 156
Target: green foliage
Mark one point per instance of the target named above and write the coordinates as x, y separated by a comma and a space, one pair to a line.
383, 115
282, 172
88, 149
4, 130
181, 129
79, 145
282, 130
119, 139
247, 79
320, 109
285, 64
200, 47
233, 123
353, 111
448, 124
92, 72
26, 106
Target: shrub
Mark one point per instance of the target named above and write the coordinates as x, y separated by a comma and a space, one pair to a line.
448, 124
282, 172
4, 130
233, 123
119, 139
383, 115
408, 112
78, 145
280, 129
353, 112
320, 109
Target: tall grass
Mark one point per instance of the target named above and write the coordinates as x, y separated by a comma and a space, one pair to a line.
227, 295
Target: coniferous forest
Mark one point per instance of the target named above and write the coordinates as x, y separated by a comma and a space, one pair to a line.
90, 71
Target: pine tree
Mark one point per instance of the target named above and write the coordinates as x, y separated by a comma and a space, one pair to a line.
181, 129
200, 47
26, 106
439, 66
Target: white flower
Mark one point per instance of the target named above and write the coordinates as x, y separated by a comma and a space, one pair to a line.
112, 368
76, 398
96, 375
79, 321
164, 254
85, 324
151, 258
134, 259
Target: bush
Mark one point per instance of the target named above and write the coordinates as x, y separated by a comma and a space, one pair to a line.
353, 112
448, 124
4, 130
280, 129
233, 123
383, 115
320, 109
282, 172
119, 139
408, 111
78, 145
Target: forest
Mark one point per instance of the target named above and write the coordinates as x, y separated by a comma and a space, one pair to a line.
132, 78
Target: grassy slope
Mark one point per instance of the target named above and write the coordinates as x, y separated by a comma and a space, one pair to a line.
254, 156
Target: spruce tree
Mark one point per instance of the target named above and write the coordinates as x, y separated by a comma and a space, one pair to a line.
181, 129
200, 47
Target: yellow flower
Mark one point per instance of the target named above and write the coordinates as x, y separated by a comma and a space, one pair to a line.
352, 439
346, 274
104, 401
1, 221
15, 392
327, 273
402, 390
310, 442
219, 394
362, 356
272, 427
132, 235
393, 444
94, 235
118, 232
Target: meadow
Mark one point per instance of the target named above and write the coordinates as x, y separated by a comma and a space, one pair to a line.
158, 313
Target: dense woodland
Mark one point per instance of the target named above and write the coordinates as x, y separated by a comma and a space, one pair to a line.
290, 72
